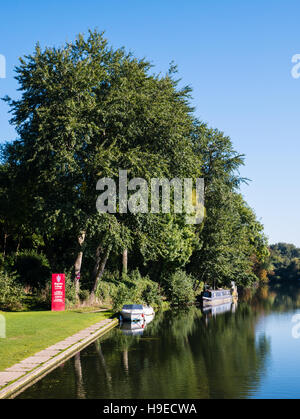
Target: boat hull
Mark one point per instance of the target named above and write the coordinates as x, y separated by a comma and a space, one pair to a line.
136, 315
133, 317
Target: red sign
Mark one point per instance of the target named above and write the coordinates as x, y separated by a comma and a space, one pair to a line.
58, 292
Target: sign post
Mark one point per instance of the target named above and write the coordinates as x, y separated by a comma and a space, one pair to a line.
58, 292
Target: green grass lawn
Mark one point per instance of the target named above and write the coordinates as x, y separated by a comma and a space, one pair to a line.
30, 332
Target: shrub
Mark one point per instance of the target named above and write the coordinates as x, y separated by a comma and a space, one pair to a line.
180, 288
133, 289
84, 295
151, 294
106, 292
43, 296
11, 293
32, 268
121, 297
70, 291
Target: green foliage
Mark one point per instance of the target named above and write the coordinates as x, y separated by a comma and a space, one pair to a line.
285, 259
107, 288
180, 288
11, 293
70, 291
230, 236
32, 269
84, 295
133, 289
122, 296
85, 111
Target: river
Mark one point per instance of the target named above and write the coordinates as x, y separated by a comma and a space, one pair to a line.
248, 350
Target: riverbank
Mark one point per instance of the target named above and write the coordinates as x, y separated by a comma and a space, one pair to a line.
23, 374
30, 332
250, 350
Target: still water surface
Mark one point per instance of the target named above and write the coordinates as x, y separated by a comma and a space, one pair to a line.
243, 351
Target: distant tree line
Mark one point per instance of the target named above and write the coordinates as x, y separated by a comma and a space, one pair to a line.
285, 260
85, 111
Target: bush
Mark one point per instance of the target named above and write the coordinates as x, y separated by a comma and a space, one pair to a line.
70, 291
106, 292
121, 297
32, 268
133, 289
11, 293
151, 294
180, 288
84, 295
43, 296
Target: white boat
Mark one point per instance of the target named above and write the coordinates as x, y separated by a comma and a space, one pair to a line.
137, 312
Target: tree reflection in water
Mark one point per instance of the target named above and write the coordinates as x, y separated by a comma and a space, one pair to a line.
181, 354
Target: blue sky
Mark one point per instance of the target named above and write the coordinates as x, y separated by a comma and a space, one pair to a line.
236, 55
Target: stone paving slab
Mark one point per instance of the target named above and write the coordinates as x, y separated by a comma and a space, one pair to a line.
79, 336
35, 366
6, 376
47, 352
35, 360
20, 367
60, 346
92, 329
85, 333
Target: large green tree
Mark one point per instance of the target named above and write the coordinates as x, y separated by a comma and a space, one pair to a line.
230, 236
85, 111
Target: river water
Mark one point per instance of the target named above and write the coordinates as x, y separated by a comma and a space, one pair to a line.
248, 350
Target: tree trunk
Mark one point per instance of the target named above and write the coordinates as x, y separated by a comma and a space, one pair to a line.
104, 365
100, 272
125, 261
4, 244
79, 378
18, 246
97, 263
125, 360
78, 263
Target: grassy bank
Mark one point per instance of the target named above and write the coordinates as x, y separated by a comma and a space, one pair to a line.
30, 332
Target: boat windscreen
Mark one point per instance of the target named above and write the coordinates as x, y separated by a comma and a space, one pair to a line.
133, 307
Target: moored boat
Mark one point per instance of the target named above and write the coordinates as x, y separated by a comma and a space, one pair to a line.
136, 312
216, 297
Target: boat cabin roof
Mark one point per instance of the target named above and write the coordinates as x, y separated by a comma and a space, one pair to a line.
218, 291
133, 307
211, 290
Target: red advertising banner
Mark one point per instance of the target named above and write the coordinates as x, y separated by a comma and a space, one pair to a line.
58, 292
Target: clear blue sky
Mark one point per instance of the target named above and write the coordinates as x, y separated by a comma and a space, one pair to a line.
235, 54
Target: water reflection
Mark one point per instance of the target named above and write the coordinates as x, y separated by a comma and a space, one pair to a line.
80, 392
214, 310
135, 328
223, 353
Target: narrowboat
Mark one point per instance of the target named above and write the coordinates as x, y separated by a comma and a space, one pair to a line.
216, 297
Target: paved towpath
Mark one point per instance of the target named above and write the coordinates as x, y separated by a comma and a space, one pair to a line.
30, 369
